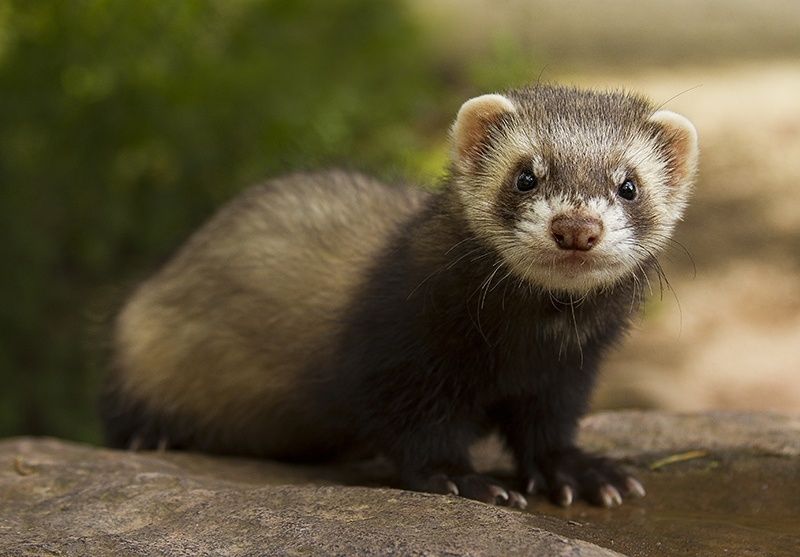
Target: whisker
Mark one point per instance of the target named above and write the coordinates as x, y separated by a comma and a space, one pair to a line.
577, 334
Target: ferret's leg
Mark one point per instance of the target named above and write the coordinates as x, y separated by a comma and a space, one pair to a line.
435, 459
541, 435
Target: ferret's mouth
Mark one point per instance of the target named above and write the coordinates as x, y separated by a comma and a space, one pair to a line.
574, 262
574, 271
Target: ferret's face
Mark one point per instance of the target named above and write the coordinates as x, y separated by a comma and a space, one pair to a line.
575, 190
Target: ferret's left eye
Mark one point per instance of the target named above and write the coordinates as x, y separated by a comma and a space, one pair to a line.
627, 190
526, 181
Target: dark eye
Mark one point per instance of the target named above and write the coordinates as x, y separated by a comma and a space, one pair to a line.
627, 190
526, 180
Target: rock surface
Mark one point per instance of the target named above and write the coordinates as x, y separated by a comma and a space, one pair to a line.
721, 483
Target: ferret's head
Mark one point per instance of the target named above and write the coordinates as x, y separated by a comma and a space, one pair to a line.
575, 189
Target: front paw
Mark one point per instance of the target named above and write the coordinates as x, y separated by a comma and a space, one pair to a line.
566, 475
472, 486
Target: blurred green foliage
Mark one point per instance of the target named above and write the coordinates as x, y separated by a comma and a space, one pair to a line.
124, 124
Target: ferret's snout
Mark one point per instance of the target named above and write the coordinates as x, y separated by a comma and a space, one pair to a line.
576, 232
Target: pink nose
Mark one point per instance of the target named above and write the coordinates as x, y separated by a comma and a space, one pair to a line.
576, 232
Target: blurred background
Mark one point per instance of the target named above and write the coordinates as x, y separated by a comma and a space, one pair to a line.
124, 124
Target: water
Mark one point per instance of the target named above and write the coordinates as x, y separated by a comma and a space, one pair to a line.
717, 505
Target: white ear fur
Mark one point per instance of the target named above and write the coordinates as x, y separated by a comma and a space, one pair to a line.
474, 115
682, 137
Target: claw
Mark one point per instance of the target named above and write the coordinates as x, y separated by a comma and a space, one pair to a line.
610, 496
438, 483
135, 444
452, 488
163, 444
530, 487
566, 496
498, 493
635, 488
517, 500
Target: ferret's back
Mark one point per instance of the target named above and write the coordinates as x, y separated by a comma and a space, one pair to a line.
223, 335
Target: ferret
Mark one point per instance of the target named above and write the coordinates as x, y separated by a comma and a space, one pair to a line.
324, 314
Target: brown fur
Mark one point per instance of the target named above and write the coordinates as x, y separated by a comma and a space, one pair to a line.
197, 339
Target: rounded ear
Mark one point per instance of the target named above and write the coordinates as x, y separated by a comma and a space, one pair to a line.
682, 145
470, 128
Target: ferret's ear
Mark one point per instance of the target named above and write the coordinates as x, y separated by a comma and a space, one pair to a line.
681, 138
469, 132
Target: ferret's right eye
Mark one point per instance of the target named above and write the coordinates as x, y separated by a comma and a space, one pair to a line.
526, 181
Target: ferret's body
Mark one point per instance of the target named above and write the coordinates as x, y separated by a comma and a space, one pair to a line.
227, 347
327, 313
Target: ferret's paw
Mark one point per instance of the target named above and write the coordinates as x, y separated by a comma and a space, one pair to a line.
144, 442
471, 486
567, 475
